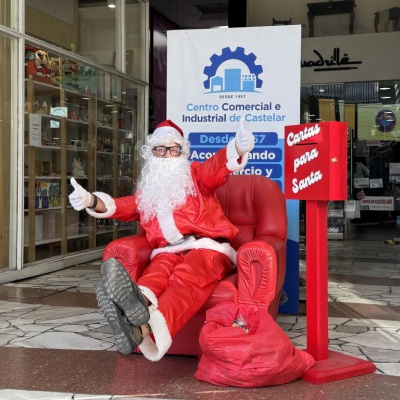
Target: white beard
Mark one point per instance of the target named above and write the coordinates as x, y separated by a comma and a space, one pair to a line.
164, 185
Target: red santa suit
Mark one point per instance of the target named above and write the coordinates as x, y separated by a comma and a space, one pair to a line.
180, 277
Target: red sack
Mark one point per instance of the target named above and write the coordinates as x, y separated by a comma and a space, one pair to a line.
262, 356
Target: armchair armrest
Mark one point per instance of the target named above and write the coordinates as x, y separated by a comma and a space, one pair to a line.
133, 252
258, 275
279, 246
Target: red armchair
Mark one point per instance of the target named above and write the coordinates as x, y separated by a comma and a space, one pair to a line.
256, 205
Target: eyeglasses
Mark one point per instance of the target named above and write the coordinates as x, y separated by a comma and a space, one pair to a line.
161, 151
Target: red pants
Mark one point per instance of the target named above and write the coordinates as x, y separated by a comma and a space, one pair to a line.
183, 282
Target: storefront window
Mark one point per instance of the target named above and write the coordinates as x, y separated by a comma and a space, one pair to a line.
97, 39
8, 146
371, 110
55, 22
8, 13
94, 30
81, 122
135, 39
99, 30
73, 113
376, 155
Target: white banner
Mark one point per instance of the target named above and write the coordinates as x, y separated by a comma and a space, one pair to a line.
215, 77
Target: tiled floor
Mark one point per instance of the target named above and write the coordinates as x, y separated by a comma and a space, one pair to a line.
55, 344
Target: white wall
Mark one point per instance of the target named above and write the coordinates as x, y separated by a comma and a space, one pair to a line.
261, 12
57, 24
368, 51
62, 9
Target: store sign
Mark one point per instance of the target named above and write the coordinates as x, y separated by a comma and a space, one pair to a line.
35, 129
376, 183
385, 120
348, 58
394, 172
377, 203
316, 161
333, 61
361, 183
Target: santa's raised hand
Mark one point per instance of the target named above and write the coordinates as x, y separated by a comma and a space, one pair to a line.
79, 198
244, 138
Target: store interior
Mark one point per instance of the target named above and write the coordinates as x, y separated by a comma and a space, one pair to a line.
371, 110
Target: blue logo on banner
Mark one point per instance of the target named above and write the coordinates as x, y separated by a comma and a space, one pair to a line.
241, 76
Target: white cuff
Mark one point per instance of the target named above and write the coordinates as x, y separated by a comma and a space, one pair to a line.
149, 296
232, 157
154, 351
108, 202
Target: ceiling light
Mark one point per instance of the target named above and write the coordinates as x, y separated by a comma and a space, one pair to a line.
111, 3
384, 88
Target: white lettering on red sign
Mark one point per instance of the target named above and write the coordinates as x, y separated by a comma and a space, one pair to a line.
306, 182
305, 158
296, 138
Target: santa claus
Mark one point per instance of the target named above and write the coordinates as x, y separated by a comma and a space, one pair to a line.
176, 204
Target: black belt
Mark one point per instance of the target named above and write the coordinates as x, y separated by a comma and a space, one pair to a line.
196, 237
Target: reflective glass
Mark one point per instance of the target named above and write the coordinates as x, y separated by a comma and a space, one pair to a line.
8, 143
8, 13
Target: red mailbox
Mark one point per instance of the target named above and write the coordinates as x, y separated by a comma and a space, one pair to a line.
316, 161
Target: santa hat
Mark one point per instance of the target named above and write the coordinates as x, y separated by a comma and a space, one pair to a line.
165, 132
168, 128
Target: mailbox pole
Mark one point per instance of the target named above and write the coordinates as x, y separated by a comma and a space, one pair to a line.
330, 366
317, 278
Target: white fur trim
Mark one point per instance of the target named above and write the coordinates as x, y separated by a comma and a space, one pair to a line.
168, 227
167, 130
108, 202
232, 157
154, 351
203, 243
168, 137
149, 295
